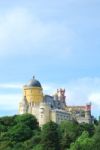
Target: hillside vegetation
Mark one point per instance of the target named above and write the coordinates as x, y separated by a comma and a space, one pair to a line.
22, 132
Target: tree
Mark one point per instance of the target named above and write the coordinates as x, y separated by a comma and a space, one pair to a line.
28, 120
87, 127
5, 145
50, 137
20, 132
82, 143
33, 142
69, 132
96, 138
37, 147
6, 122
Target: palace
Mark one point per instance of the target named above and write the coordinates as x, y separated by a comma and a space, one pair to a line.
54, 108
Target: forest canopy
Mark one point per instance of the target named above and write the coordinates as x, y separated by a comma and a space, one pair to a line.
22, 132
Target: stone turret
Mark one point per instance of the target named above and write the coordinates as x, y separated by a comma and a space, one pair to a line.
44, 113
61, 95
23, 106
88, 113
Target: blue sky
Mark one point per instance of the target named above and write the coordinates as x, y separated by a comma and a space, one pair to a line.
58, 42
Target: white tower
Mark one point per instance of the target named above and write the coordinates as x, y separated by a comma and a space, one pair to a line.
23, 106
44, 114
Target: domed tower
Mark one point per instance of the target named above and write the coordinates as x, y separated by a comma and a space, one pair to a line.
33, 92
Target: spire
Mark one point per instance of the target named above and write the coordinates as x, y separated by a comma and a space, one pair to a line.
33, 77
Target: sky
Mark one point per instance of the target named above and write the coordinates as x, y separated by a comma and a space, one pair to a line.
58, 42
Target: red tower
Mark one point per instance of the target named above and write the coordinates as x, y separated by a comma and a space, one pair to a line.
61, 94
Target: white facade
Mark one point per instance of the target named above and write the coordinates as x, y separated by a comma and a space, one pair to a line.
60, 115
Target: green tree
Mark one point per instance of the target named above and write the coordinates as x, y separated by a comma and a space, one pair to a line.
50, 137
87, 127
84, 142
20, 132
38, 147
3, 128
69, 132
6, 122
96, 138
28, 120
33, 142
96, 122
5, 145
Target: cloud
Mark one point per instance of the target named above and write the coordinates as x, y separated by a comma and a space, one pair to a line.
95, 99
9, 101
23, 33
11, 86
82, 88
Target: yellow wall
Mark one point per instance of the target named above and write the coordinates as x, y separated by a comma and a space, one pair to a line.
34, 94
